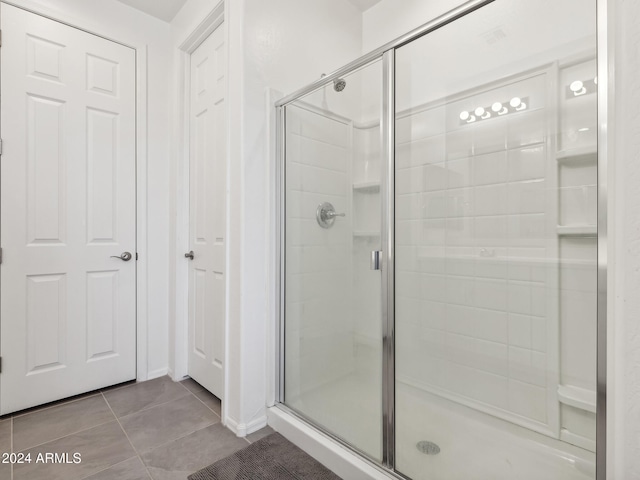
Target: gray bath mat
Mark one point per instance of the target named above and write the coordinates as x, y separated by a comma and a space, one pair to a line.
271, 458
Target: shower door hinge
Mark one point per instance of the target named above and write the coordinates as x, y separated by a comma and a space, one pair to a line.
136, 256
0, 254
0, 364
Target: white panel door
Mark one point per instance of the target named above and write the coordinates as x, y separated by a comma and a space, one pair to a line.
68, 308
207, 225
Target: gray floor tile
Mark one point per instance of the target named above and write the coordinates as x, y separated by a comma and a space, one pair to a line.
210, 400
100, 447
161, 424
255, 436
131, 399
5, 435
5, 446
42, 426
178, 459
191, 385
132, 469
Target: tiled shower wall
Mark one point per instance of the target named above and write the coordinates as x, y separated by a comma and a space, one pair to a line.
490, 299
318, 262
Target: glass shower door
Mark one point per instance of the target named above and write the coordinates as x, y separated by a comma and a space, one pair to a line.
332, 297
495, 190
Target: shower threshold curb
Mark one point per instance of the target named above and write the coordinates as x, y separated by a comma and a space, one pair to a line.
338, 458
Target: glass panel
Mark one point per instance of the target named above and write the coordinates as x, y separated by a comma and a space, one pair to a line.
496, 245
332, 297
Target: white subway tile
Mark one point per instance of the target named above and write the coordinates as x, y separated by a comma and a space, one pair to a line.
520, 297
526, 128
459, 173
489, 136
528, 230
491, 294
520, 330
539, 334
527, 163
490, 168
459, 143
491, 232
459, 202
460, 290
490, 200
435, 205
420, 152
492, 357
527, 197
528, 400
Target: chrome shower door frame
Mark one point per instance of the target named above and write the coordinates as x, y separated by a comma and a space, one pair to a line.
387, 54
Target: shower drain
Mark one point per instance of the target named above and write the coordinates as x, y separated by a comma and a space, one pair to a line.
428, 448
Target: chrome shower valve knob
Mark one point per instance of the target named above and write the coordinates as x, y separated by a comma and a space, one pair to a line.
326, 215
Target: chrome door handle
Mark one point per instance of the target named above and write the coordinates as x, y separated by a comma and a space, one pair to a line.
124, 256
189, 255
376, 260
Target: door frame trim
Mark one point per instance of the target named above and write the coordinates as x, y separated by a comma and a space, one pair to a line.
141, 59
178, 368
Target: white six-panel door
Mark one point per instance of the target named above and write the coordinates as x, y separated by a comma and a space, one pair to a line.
207, 206
68, 181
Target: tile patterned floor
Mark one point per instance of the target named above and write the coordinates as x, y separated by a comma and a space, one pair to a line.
155, 430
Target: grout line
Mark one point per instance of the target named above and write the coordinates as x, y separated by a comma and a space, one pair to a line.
60, 404
202, 402
107, 468
127, 436
67, 435
148, 407
11, 448
182, 436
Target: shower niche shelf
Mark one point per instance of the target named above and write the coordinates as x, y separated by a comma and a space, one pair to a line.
586, 154
367, 187
365, 234
577, 230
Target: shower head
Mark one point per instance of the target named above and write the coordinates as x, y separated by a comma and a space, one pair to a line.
339, 84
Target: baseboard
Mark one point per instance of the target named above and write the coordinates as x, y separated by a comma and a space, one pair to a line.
244, 429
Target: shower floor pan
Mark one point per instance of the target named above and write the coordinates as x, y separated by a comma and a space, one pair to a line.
473, 445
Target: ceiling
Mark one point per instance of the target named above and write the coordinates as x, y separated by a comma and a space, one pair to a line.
167, 9
162, 9
363, 5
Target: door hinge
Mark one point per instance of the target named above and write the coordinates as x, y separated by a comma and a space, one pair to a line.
0, 364
0, 38
0, 146
136, 256
0, 254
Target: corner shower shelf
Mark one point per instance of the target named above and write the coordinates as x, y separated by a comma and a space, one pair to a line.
367, 187
578, 155
577, 230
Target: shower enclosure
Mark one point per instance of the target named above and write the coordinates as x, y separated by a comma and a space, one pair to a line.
439, 234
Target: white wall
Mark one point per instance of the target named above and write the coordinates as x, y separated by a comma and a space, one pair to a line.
286, 44
121, 23
624, 238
